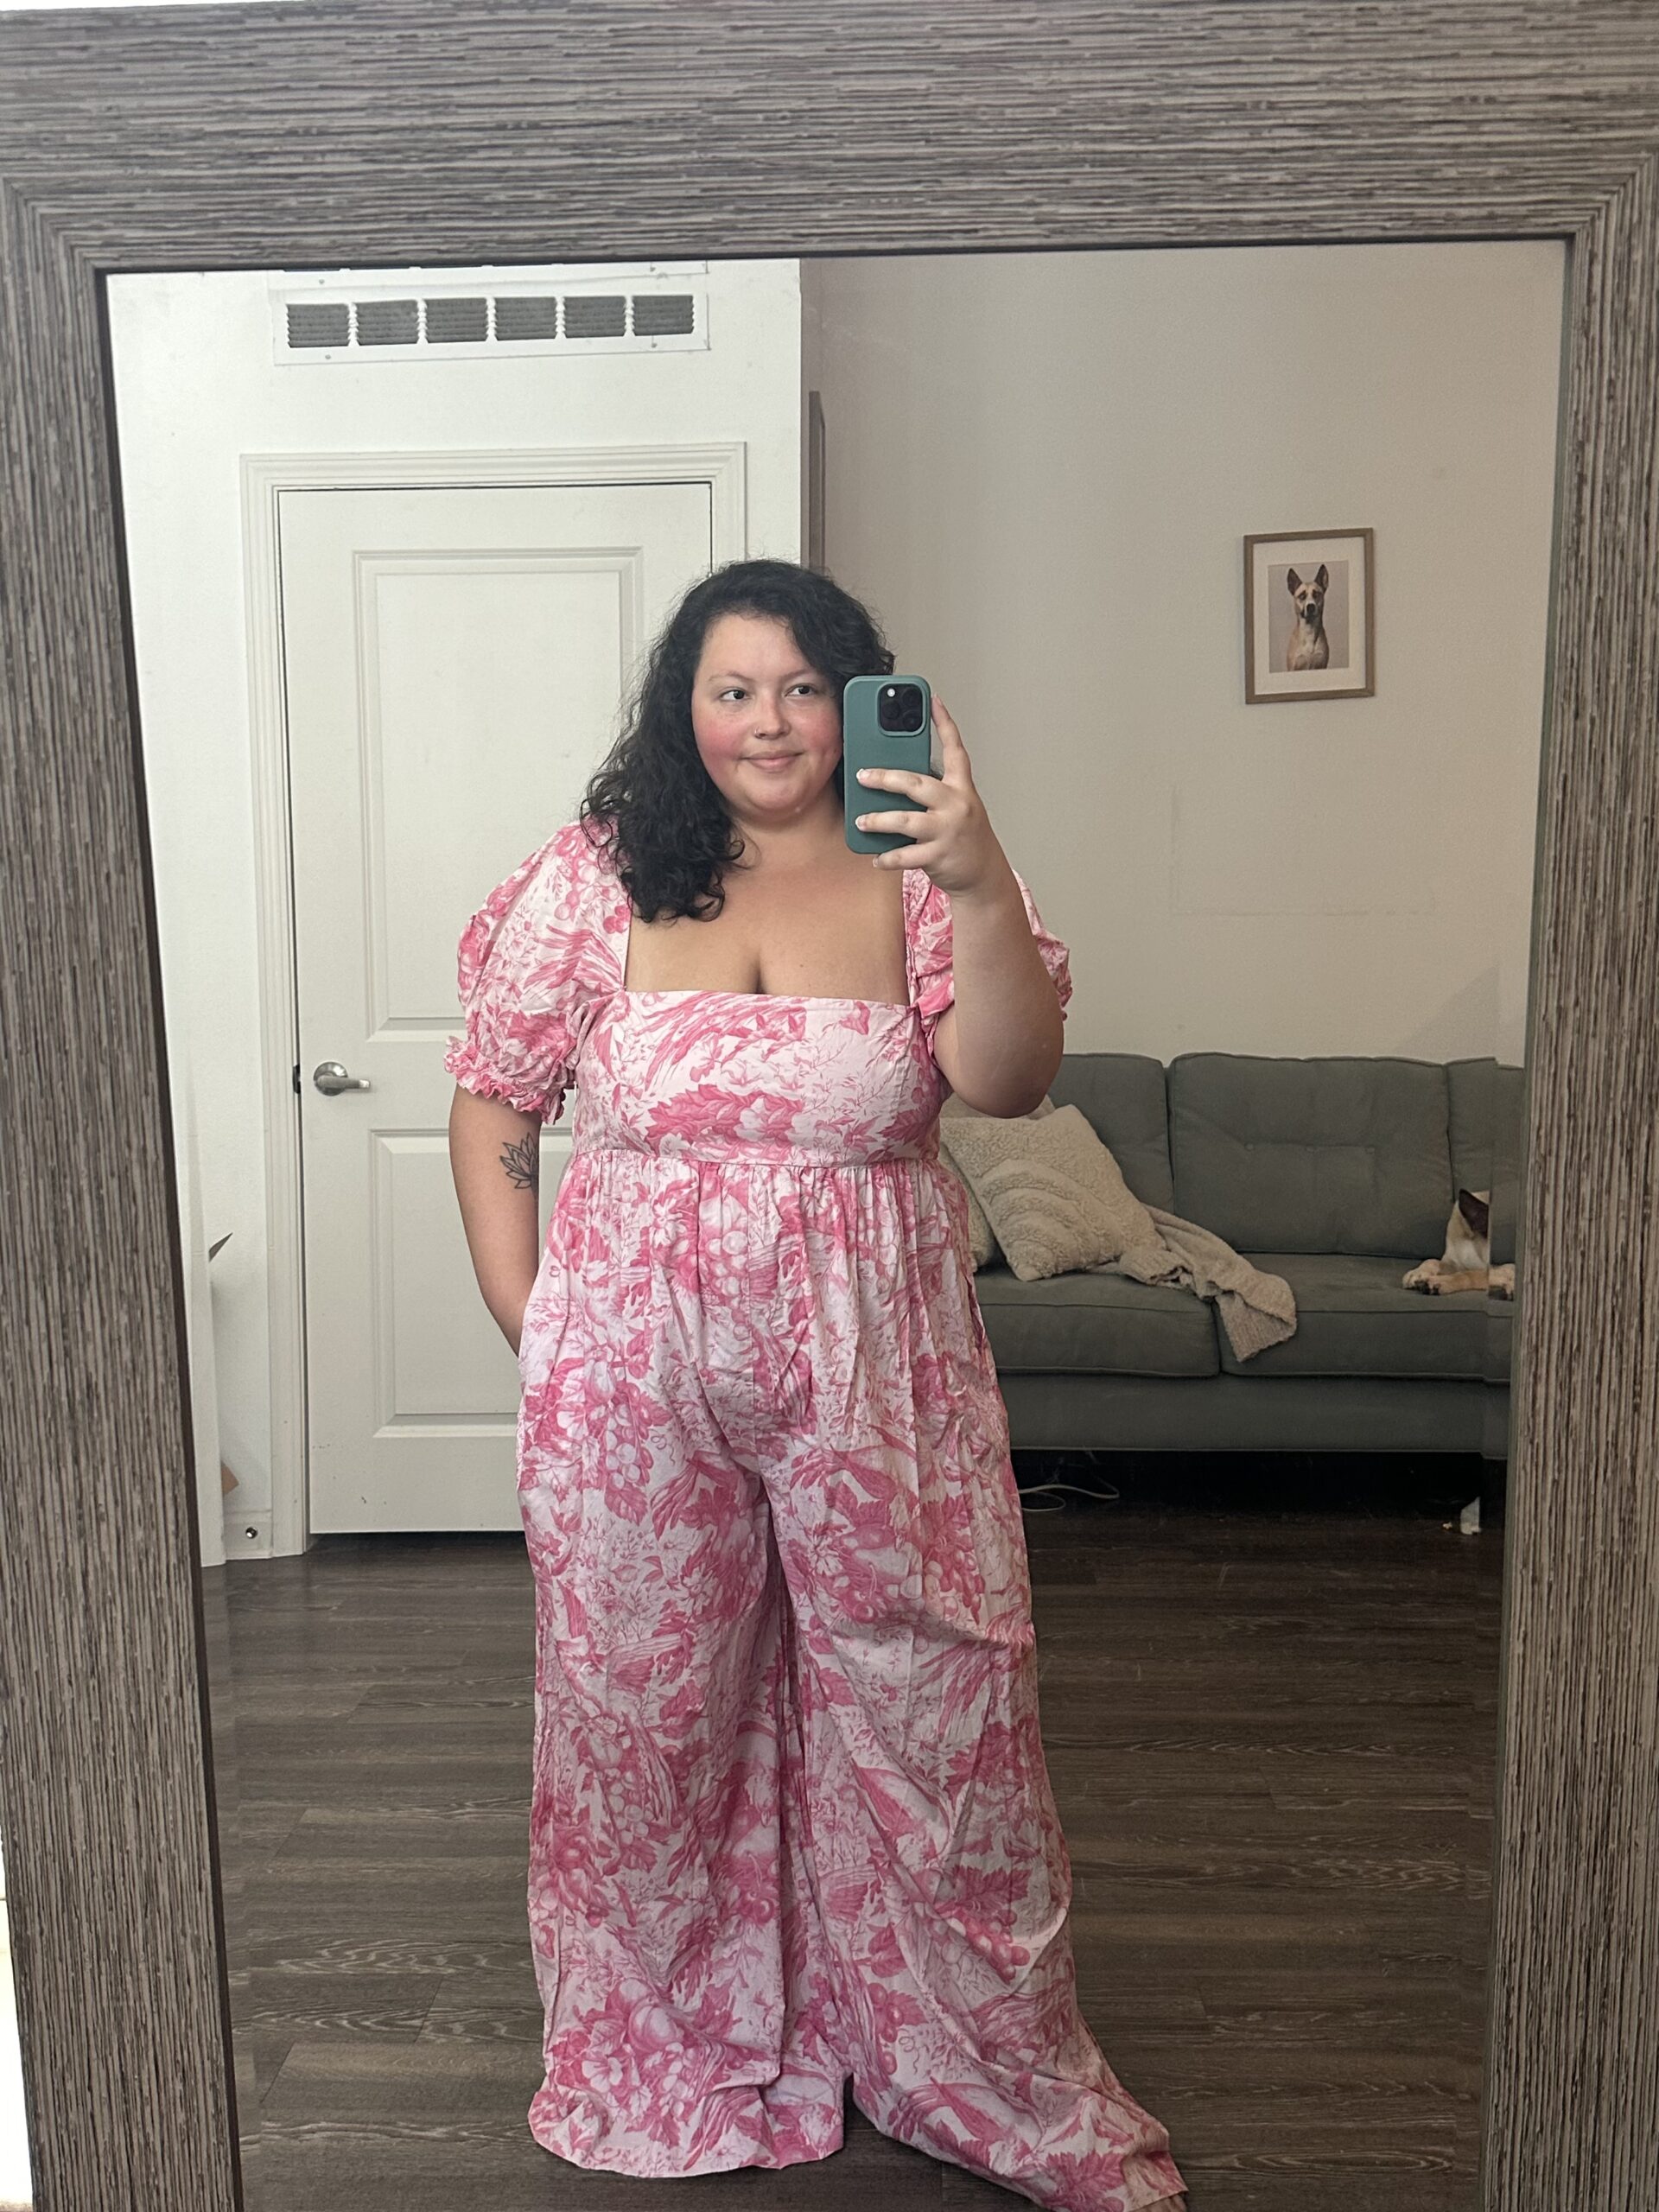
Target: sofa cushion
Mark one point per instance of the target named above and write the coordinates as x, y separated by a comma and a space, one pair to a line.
1324, 1155
1123, 1094
1487, 1103
1509, 1144
1095, 1324
1353, 1317
1500, 1338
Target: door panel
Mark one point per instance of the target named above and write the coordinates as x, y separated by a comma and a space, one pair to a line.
456, 661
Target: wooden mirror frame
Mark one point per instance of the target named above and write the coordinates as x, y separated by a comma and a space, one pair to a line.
390, 132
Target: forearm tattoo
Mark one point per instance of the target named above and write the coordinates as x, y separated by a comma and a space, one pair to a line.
523, 1158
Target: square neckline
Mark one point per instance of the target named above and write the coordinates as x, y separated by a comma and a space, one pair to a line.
620, 942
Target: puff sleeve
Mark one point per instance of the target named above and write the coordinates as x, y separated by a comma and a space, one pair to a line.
518, 971
930, 955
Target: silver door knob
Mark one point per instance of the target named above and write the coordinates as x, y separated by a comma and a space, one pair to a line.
330, 1078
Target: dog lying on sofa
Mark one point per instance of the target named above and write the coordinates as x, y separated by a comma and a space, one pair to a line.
1466, 1262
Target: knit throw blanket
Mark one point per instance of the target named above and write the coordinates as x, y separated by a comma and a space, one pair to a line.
1044, 1188
1256, 1309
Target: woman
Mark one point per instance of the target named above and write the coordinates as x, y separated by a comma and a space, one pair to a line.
790, 1820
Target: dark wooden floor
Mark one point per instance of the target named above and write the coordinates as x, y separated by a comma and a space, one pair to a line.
1270, 1701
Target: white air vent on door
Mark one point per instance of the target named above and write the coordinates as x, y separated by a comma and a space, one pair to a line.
337, 315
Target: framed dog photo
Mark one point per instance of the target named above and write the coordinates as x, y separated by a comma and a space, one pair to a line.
1308, 619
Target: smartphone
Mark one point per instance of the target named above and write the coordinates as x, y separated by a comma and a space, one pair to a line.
887, 721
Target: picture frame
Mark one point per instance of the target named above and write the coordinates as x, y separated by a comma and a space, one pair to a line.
1310, 615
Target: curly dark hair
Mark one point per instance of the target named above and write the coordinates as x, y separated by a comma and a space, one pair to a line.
662, 813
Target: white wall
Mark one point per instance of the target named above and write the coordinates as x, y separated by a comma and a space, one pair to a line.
195, 388
1041, 470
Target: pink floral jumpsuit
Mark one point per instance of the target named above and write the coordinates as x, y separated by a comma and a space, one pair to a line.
790, 1820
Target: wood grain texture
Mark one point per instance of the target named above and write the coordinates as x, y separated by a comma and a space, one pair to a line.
406, 132
1573, 2032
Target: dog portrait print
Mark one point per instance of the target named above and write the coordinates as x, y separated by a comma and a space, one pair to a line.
1309, 646
1308, 617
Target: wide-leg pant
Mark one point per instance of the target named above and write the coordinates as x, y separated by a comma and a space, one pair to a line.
791, 1822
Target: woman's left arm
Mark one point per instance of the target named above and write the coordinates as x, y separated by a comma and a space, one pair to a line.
1000, 1043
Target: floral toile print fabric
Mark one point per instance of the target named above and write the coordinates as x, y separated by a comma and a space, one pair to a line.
790, 1820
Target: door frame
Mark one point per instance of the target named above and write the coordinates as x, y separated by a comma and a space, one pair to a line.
722, 466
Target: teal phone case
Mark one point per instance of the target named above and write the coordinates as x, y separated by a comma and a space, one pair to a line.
865, 744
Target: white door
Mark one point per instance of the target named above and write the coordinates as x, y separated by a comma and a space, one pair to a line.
456, 661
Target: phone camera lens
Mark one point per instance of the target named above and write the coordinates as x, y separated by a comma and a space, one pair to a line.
899, 710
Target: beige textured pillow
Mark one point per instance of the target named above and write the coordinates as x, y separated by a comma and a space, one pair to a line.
1054, 1195
982, 1246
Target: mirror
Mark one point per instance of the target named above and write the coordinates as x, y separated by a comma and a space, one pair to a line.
398, 542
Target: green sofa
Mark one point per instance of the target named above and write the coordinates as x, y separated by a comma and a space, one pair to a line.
1337, 1173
